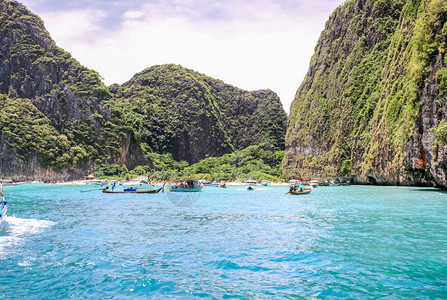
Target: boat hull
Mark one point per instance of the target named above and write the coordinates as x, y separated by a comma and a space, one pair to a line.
144, 186
149, 191
3, 209
198, 189
11, 183
300, 193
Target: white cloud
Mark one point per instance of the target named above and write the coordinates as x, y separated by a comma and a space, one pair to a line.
133, 15
249, 44
75, 27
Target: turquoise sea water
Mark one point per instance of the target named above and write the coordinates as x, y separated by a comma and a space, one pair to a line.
357, 242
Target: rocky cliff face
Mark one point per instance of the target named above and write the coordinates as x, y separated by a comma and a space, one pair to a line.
58, 119
372, 106
33, 67
56, 88
12, 167
194, 116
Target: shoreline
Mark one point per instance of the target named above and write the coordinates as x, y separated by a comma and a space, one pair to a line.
228, 183
88, 182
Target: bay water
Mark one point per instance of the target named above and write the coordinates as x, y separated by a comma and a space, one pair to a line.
354, 242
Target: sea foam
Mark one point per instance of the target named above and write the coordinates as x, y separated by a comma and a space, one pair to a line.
14, 231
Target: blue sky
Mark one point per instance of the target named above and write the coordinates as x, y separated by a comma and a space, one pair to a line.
250, 44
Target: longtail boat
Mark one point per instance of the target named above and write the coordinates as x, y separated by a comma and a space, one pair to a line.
189, 185
134, 191
297, 190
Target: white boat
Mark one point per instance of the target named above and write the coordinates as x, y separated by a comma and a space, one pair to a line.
99, 182
3, 204
294, 182
189, 185
265, 182
208, 183
251, 184
315, 183
8, 183
140, 183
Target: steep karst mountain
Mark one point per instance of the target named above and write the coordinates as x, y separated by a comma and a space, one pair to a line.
59, 120
54, 114
373, 104
194, 116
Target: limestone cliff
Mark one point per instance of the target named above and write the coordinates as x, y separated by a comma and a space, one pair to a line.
39, 81
373, 104
58, 120
194, 116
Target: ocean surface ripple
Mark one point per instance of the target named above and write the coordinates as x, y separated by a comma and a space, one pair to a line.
356, 242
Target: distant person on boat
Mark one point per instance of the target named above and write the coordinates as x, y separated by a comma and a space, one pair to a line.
292, 188
113, 186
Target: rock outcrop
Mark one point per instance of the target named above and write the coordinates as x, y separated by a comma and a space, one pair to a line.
40, 78
194, 116
373, 104
58, 119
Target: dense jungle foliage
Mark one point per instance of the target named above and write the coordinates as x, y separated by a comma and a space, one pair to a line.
262, 162
192, 116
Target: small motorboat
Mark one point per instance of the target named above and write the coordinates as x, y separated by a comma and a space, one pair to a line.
3, 209
186, 186
9, 183
141, 182
265, 183
251, 184
3, 204
294, 182
315, 183
208, 183
99, 182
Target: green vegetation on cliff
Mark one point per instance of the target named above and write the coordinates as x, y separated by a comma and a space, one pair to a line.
46, 83
255, 162
29, 132
59, 111
357, 110
192, 116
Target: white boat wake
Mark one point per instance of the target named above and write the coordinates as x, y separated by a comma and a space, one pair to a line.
13, 231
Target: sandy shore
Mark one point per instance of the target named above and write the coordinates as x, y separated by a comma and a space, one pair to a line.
243, 183
87, 182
